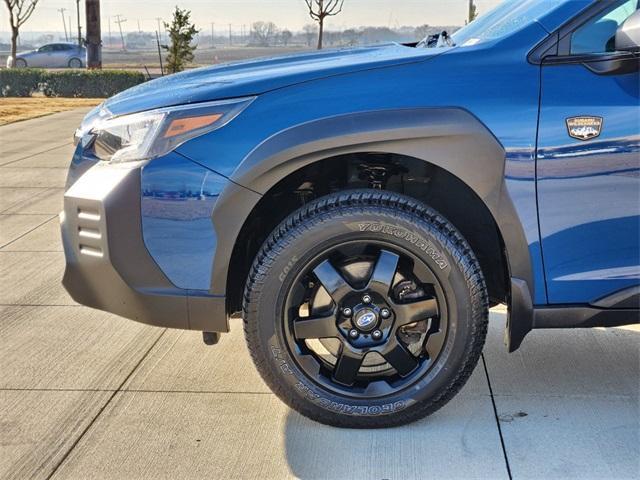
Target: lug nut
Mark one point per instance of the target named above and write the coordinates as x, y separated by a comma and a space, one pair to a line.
385, 313
376, 334
347, 312
353, 333
366, 298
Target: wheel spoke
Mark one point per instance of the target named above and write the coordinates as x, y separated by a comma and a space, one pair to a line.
317, 327
383, 273
434, 344
400, 358
378, 389
407, 313
347, 366
335, 285
424, 274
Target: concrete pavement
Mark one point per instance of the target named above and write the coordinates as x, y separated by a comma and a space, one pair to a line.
85, 394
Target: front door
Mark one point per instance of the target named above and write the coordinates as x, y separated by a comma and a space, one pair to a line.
588, 168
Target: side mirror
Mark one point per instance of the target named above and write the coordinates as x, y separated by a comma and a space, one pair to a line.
628, 34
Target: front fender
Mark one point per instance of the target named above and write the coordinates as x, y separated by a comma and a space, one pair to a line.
450, 138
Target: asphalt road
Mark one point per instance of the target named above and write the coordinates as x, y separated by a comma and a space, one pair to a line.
85, 394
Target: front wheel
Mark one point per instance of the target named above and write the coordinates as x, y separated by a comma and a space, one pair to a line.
20, 63
75, 63
365, 309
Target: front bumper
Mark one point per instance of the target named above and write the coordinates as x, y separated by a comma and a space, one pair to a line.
108, 266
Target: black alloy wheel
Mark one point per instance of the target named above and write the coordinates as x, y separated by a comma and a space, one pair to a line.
365, 309
379, 314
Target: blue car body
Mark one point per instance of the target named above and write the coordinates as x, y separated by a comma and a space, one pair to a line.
567, 210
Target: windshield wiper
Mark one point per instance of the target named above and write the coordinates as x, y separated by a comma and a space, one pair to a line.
437, 40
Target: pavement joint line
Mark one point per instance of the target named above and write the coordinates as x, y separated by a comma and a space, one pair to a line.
28, 232
620, 396
31, 187
34, 251
136, 390
24, 214
33, 167
495, 413
38, 304
35, 197
37, 153
103, 408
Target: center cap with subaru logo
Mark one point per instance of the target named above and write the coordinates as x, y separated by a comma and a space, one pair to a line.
366, 320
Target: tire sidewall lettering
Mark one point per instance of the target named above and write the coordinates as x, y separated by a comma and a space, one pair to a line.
401, 233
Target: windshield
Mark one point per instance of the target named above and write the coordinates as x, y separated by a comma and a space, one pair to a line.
506, 18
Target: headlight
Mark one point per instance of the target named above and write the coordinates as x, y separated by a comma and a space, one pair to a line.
147, 135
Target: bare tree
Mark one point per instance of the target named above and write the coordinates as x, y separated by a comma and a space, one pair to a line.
310, 31
19, 13
422, 31
263, 32
286, 36
321, 9
351, 36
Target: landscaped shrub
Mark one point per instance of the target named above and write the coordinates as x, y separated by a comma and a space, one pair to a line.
19, 82
89, 83
22, 82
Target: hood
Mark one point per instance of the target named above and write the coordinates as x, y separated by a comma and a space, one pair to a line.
259, 76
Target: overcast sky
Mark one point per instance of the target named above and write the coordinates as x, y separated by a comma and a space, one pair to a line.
290, 14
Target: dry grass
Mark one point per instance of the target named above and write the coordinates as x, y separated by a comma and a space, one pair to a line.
16, 109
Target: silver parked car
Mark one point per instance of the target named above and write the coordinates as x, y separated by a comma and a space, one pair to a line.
53, 55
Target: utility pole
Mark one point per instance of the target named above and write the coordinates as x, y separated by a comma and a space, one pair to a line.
159, 53
64, 23
159, 20
213, 35
120, 21
94, 34
230, 37
110, 38
139, 29
78, 20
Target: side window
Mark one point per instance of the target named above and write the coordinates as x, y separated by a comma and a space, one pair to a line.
598, 34
46, 48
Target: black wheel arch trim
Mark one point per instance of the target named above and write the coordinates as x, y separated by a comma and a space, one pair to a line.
450, 138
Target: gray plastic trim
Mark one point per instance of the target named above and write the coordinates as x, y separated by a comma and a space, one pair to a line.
108, 266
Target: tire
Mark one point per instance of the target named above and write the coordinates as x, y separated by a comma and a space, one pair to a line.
336, 257
20, 63
75, 63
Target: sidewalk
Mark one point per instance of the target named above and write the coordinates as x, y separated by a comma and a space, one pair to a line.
85, 394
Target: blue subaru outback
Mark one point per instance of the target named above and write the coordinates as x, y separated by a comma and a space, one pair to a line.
363, 208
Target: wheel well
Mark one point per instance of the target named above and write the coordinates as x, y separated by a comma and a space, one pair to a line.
411, 176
